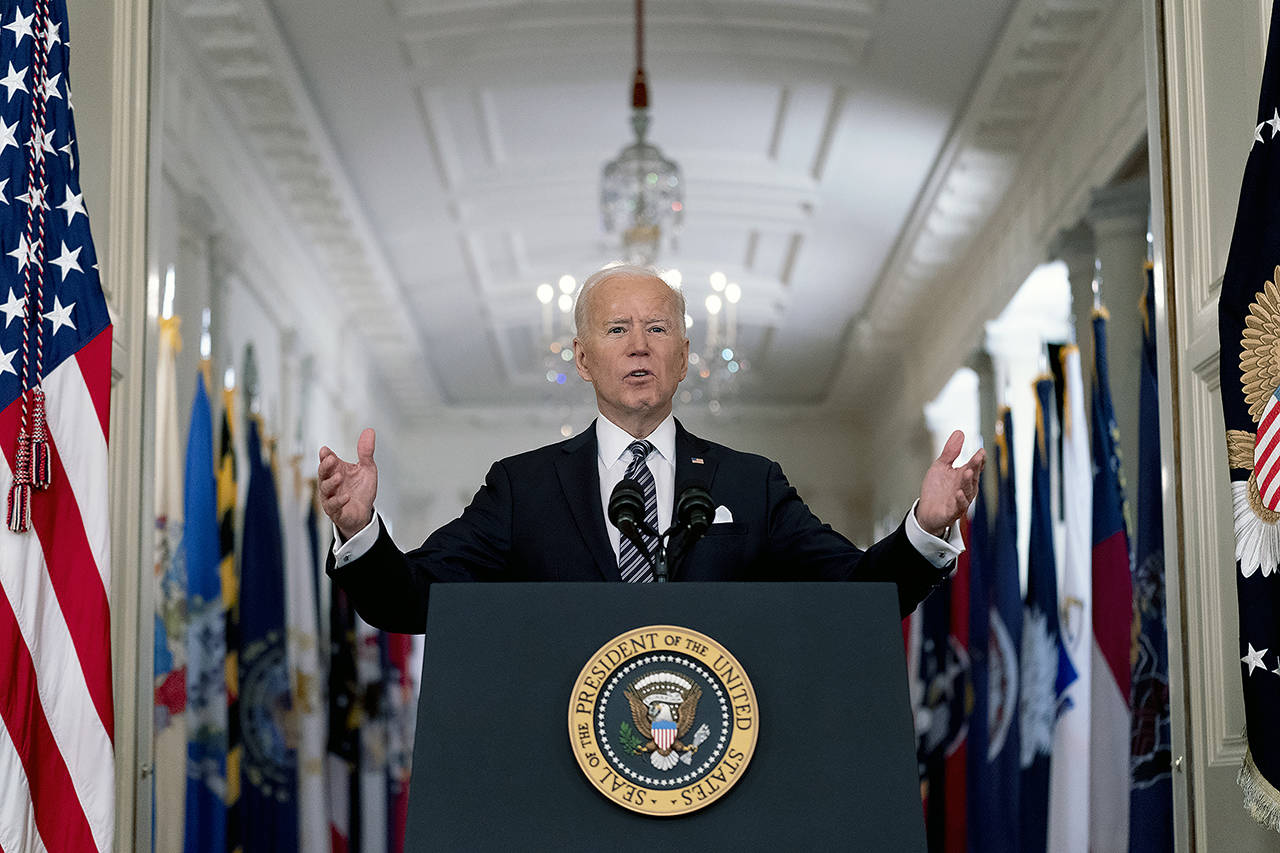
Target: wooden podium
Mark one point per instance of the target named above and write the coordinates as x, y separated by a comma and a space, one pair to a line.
834, 766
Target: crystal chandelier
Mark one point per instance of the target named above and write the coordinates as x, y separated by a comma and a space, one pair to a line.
641, 192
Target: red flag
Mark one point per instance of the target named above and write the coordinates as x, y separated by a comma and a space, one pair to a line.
956, 796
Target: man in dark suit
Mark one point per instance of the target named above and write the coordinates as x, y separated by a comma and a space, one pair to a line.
540, 515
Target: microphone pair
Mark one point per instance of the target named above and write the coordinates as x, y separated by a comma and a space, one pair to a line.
694, 512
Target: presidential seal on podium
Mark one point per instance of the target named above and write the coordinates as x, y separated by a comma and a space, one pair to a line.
663, 720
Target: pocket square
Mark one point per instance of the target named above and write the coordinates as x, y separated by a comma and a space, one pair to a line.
723, 516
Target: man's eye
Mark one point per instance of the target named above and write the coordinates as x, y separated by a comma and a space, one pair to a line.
615, 330
658, 329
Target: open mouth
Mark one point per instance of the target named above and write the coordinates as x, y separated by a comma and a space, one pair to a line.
638, 374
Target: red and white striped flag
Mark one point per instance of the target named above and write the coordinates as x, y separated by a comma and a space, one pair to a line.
1266, 454
56, 755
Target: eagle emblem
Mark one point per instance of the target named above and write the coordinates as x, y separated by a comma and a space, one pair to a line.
663, 706
1256, 500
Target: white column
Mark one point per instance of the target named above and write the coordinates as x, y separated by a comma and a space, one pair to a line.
980, 362
1118, 216
110, 67
1076, 248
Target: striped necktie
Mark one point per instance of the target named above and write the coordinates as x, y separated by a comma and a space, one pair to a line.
631, 562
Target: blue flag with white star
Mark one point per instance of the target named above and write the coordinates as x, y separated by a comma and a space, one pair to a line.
1248, 327
1046, 668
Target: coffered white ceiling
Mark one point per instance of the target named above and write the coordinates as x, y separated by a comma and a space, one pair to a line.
442, 158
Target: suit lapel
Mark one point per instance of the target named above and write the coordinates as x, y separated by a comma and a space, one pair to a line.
695, 460
695, 463
580, 479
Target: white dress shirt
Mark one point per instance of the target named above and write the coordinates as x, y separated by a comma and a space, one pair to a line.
614, 458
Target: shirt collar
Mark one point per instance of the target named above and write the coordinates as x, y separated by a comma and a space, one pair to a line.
613, 441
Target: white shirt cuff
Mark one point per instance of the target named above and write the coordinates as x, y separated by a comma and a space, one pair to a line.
940, 552
355, 547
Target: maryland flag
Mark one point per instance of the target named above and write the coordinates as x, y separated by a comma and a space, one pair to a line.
230, 576
1249, 331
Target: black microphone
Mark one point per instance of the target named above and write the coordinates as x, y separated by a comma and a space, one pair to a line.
626, 512
695, 511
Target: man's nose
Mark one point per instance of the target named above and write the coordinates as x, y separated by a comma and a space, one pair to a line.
637, 342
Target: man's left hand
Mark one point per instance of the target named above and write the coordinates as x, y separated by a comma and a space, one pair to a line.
947, 492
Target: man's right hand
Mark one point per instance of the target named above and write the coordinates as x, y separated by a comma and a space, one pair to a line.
347, 489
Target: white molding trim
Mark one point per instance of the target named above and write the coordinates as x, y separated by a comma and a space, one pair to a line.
242, 53
124, 278
1100, 120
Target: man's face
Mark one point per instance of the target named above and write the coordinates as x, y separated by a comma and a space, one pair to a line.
633, 350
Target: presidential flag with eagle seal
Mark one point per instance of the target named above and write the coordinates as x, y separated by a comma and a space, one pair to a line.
1249, 332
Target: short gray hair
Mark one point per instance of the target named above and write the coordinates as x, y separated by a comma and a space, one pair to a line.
613, 271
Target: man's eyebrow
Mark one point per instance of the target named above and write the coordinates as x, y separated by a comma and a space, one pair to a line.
626, 321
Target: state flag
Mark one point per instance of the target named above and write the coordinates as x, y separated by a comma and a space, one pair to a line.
1112, 620
206, 777
268, 767
1004, 745
1069, 773
1046, 669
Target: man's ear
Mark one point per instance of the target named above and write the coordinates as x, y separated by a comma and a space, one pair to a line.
684, 368
580, 360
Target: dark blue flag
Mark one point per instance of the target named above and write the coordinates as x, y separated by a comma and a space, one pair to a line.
345, 718
268, 768
317, 562
934, 723
1248, 322
1046, 669
206, 812
1004, 746
979, 806
1151, 797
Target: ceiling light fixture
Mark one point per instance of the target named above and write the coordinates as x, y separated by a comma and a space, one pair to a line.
641, 191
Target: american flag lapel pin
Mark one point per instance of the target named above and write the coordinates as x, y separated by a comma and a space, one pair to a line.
697, 460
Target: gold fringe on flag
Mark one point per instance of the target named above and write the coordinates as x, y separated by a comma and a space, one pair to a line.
1261, 799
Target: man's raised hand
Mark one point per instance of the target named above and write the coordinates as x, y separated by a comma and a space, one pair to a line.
347, 489
946, 492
